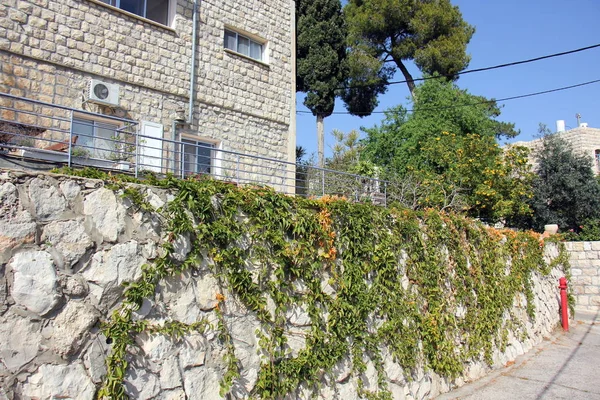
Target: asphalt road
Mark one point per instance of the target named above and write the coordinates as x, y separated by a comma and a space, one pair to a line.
565, 367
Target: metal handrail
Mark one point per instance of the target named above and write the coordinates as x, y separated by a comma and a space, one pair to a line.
43, 103
124, 148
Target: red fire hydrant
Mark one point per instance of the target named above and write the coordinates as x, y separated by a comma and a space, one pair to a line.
562, 284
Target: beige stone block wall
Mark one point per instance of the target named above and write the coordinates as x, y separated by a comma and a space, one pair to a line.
585, 270
49, 50
583, 140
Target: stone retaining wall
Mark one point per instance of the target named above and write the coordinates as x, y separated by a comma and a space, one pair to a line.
66, 246
585, 270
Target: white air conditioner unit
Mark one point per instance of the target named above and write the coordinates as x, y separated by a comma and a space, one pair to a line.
103, 93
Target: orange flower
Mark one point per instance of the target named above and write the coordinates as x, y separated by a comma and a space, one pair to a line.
220, 297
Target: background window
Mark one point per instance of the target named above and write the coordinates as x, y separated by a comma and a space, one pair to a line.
243, 45
230, 40
155, 10
197, 157
255, 50
94, 138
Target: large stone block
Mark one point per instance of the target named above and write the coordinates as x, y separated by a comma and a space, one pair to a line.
70, 189
595, 301
577, 247
141, 384
71, 327
592, 290
34, 281
202, 383
170, 374
16, 231
589, 272
59, 382
48, 202
107, 214
20, 340
108, 270
94, 360
582, 300
16, 225
192, 351
69, 238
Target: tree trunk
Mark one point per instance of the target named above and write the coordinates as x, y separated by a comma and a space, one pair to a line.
410, 82
320, 141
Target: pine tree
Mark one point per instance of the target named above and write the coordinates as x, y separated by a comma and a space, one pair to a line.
321, 54
431, 33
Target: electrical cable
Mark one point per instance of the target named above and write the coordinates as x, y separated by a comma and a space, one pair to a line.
470, 71
475, 103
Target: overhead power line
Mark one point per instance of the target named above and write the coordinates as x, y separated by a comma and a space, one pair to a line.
479, 102
470, 71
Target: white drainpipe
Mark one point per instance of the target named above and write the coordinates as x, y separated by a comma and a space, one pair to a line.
193, 63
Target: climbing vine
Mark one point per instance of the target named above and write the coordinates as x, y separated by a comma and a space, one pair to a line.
428, 289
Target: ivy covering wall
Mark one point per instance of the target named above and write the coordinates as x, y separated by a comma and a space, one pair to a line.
433, 290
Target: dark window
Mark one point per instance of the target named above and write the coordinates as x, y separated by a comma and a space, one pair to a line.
155, 10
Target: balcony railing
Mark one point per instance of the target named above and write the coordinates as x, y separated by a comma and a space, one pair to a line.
59, 135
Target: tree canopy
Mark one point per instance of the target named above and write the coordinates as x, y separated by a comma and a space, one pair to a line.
321, 54
432, 34
448, 143
328, 68
440, 106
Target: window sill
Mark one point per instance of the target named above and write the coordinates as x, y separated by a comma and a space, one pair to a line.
235, 53
132, 15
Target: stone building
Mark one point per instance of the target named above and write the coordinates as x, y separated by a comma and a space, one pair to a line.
211, 76
583, 139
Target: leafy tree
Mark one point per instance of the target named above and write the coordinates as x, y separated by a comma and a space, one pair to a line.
447, 145
565, 191
366, 78
321, 54
431, 33
346, 150
325, 65
347, 155
440, 106
301, 172
472, 173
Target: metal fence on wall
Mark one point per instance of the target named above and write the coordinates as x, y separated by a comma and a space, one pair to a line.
58, 135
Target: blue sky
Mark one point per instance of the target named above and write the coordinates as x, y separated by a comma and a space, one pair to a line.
506, 31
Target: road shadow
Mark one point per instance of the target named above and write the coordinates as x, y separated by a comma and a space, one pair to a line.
564, 366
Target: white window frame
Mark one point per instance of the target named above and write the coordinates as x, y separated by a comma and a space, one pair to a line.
95, 149
116, 5
252, 40
214, 168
